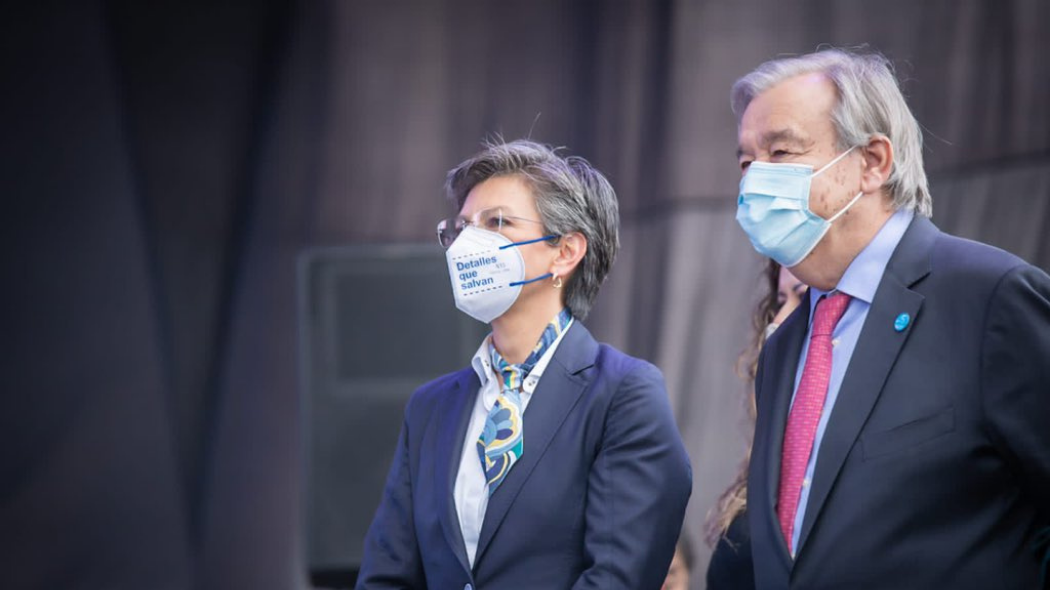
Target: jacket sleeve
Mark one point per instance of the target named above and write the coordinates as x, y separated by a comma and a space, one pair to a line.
391, 554
639, 486
1015, 378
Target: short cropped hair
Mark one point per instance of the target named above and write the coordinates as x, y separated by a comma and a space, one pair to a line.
571, 196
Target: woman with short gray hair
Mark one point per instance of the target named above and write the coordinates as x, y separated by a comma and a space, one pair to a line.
588, 488
571, 196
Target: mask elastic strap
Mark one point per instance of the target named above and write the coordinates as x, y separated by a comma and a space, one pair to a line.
539, 278
846, 208
543, 239
832, 163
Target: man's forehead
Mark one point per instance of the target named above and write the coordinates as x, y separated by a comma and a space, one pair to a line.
801, 96
797, 110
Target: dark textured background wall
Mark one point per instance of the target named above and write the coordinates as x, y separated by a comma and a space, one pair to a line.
164, 165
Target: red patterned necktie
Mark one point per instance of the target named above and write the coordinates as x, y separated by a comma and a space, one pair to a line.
805, 412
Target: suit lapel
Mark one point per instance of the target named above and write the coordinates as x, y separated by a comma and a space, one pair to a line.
449, 452
557, 392
878, 347
783, 350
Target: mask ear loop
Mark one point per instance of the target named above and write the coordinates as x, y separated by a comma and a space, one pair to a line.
846, 208
829, 165
539, 278
832, 163
513, 244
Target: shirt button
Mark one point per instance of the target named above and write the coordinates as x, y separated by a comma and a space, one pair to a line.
835, 342
805, 483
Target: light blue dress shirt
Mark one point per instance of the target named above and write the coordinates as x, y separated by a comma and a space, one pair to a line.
860, 281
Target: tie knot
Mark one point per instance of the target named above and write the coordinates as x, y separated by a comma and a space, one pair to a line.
510, 375
829, 312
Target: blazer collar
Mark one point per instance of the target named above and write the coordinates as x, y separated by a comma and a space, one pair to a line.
878, 347
556, 394
451, 431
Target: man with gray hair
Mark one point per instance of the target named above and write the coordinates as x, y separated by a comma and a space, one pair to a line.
902, 438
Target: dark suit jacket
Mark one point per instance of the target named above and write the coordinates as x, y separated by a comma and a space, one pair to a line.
596, 500
934, 470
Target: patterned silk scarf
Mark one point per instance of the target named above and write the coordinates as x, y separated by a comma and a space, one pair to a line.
501, 442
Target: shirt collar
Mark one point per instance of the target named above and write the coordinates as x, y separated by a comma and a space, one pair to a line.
482, 364
862, 277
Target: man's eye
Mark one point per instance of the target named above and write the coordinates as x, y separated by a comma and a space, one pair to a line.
744, 165
492, 222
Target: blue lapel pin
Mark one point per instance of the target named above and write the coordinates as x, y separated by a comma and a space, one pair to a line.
901, 323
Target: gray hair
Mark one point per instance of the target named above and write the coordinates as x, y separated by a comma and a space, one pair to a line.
870, 103
571, 196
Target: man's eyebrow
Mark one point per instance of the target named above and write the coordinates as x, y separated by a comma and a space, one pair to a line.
787, 135
771, 137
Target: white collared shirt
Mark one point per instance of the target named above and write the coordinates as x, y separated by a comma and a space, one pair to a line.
471, 492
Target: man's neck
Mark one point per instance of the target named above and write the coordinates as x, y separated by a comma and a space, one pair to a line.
826, 265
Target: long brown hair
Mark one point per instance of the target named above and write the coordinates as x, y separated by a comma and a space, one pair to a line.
733, 500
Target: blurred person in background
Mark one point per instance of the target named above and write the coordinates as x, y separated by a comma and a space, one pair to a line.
551, 461
730, 567
901, 439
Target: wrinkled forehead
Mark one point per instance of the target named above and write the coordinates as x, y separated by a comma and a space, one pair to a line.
797, 110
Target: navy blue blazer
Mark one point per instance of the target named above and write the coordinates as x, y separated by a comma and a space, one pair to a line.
596, 500
934, 470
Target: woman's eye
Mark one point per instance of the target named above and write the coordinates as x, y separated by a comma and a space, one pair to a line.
744, 165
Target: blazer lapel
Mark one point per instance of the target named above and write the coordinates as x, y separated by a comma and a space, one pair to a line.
783, 351
556, 394
451, 431
876, 352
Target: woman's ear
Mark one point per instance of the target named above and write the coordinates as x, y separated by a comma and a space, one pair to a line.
571, 249
878, 163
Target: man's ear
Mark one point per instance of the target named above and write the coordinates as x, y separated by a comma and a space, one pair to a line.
878, 163
571, 250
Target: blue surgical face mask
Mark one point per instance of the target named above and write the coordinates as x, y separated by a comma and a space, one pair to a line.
773, 209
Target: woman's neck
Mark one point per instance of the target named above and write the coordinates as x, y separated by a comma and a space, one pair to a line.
515, 333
